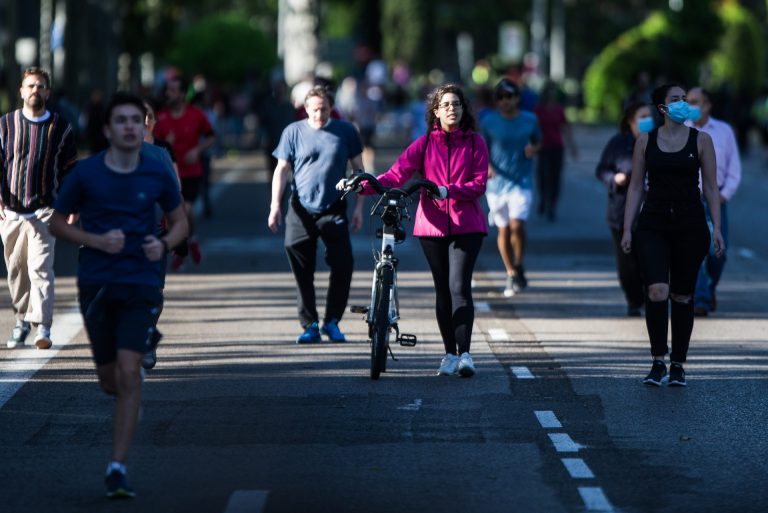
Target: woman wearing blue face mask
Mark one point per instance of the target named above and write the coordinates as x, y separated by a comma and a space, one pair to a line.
671, 237
614, 171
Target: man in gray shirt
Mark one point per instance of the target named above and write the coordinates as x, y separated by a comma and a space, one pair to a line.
317, 150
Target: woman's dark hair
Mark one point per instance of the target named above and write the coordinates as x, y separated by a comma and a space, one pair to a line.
629, 114
660, 94
123, 98
467, 121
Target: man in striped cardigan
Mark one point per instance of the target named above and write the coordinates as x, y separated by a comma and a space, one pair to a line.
37, 148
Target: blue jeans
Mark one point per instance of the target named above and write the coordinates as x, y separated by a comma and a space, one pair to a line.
712, 267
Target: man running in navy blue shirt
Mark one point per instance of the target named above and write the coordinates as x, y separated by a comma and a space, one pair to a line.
120, 264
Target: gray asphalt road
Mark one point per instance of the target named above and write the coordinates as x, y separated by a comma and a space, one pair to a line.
239, 418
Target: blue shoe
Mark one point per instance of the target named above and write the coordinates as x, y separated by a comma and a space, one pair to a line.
117, 486
311, 335
332, 331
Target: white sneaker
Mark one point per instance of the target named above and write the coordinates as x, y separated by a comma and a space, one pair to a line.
449, 365
509, 289
43, 337
466, 366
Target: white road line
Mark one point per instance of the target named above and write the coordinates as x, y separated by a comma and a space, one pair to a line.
22, 364
414, 406
498, 335
564, 443
247, 501
522, 373
577, 468
547, 419
482, 307
594, 499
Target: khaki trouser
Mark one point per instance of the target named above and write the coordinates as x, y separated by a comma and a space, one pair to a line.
28, 251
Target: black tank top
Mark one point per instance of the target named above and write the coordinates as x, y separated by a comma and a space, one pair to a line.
673, 177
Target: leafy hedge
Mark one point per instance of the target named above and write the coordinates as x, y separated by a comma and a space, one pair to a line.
225, 47
608, 79
723, 38
739, 61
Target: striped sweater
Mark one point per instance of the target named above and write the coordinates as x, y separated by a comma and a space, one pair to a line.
34, 157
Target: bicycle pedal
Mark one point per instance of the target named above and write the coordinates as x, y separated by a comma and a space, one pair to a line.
406, 339
359, 309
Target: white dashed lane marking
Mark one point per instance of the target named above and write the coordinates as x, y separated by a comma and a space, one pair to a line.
547, 419
577, 468
522, 373
594, 499
498, 335
564, 443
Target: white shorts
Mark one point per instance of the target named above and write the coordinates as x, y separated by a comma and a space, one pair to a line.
515, 204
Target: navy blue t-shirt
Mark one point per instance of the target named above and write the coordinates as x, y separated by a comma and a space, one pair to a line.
108, 200
319, 159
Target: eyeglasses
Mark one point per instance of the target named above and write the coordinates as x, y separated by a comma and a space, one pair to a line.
455, 105
41, 87
505, 96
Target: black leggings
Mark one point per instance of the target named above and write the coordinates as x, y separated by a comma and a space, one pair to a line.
670, 249
452, 260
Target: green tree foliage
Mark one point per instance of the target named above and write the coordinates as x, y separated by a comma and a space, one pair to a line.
739, 61
669, 45
403, 28
225, 47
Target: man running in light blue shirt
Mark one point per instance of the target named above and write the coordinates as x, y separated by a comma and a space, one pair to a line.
513, 137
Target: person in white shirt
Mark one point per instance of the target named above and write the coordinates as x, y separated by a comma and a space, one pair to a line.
728, 178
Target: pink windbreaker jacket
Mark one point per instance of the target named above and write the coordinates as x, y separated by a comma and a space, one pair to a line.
456, 160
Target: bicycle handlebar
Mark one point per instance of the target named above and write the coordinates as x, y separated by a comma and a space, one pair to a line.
355, 184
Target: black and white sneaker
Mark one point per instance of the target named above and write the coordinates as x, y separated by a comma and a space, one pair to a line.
658, 374
677, 375
149, 360
18, 335
519, 281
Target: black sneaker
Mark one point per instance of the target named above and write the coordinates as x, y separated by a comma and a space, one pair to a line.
519, 282
677, 375
149, 360
658, 374
117, 486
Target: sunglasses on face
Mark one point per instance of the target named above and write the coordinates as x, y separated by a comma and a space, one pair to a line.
505, 96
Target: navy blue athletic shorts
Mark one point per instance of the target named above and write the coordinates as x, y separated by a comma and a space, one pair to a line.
119, 316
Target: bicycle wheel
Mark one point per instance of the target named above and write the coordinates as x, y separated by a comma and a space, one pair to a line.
380, 338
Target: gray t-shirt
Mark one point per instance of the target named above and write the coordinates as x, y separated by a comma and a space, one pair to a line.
319, 160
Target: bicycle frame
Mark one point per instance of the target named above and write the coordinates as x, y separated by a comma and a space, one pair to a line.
384, 311
386, 258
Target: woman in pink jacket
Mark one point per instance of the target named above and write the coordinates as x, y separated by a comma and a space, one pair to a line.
450, 229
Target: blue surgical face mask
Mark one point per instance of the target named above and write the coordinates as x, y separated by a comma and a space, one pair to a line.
645, 125
694, 114
678, 111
